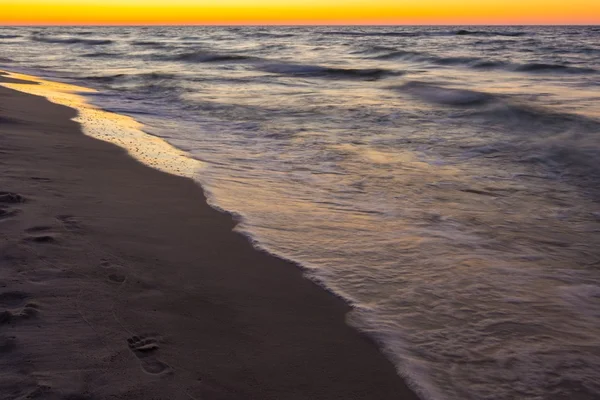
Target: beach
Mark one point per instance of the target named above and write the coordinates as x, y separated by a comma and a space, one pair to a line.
119, 281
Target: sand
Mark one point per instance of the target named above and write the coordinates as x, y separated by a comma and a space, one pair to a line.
118, 281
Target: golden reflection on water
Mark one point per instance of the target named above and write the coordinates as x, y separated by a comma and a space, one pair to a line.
118, 129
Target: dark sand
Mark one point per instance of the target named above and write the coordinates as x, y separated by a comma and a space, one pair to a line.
118, 281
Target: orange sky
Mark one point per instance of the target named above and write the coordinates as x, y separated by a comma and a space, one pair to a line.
299, 12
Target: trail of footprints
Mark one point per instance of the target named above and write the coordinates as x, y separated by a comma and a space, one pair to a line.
16, 306
145, 347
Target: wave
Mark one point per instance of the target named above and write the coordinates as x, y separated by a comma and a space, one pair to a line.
91, 42
204, 57
479, 63
148, 43
101, 54
466, 32
59, 32
561, 143
461, 32
409, 55
502, 108
271, 35
401, 55
104, 78
365, 34
5, 60
541, 67
144, 77
316, 71
509, 111
468, 61
276, 47
155, 85
443, 95
566, 158
487, 64
84, 33
417, 56
10, 36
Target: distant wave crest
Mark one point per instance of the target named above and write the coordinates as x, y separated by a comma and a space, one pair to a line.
101, 54
201, 56
145, 77
460, 32
92, 42
464, 32
327, 72
541, 67
478, 63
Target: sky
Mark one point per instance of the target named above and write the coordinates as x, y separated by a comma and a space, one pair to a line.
259, 12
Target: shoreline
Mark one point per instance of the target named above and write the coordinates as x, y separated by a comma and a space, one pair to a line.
122, 281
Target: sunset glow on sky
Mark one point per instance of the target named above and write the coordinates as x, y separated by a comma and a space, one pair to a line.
299, 12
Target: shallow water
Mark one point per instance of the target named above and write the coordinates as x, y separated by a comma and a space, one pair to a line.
445, 180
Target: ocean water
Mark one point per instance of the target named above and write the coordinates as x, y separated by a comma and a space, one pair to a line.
444, 180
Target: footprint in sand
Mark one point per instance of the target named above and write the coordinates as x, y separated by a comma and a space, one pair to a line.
145, 347
16, 307
11, 198
69, 221
115, 272
40, 234
116, 277
7, 213
29, 311
41, 239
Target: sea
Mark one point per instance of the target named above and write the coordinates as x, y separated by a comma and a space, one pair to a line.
444, 180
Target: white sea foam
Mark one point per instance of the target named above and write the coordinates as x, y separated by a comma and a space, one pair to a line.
110, 127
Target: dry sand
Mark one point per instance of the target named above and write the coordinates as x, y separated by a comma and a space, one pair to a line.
118, 281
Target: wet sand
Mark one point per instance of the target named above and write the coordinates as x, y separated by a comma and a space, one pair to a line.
119, 281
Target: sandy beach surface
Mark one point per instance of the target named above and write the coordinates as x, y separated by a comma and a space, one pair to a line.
118, 281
